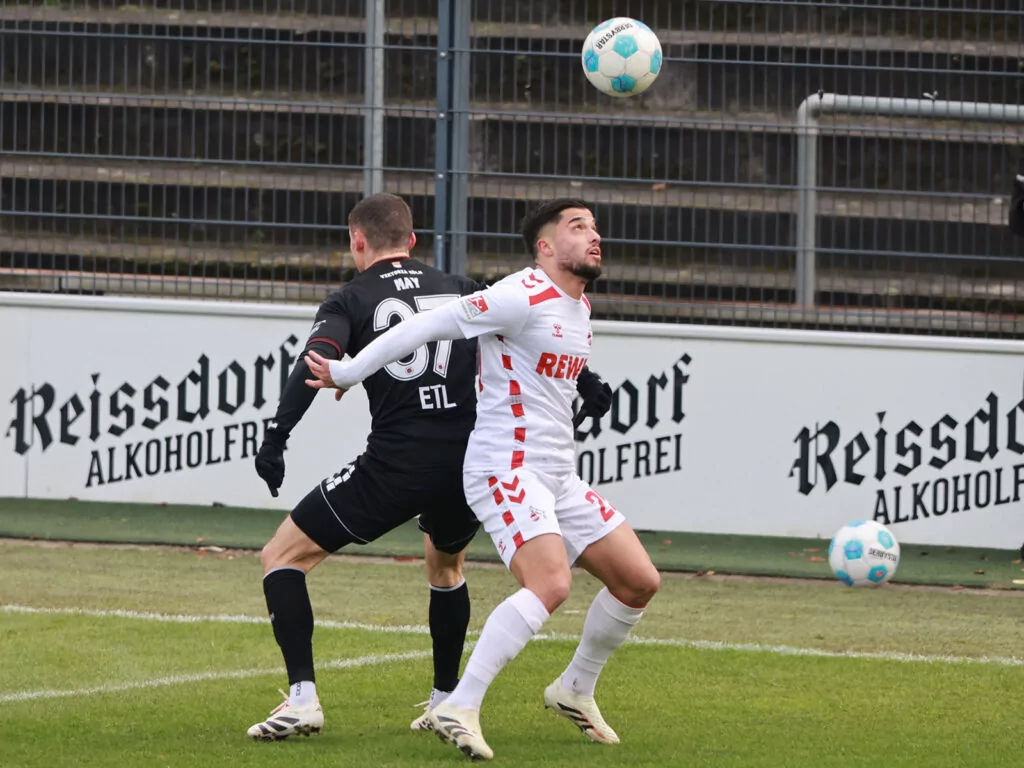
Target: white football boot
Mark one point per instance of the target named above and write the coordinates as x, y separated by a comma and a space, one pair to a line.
460, 727
287, 720
581, 711
436, 697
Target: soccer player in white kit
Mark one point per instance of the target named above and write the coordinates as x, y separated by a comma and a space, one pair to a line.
534, 336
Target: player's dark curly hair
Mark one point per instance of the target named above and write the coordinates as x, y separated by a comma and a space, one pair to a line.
544, 214
384, 219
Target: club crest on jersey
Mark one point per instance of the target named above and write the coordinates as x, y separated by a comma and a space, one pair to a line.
473, 306
558, 331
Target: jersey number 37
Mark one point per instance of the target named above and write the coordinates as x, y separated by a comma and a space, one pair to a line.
417, 364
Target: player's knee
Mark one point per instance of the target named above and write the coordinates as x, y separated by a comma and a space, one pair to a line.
553, 590
269, 556
644, 587
444, 571
291, 552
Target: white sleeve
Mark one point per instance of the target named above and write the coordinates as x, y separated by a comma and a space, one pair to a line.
503, 308
399, 342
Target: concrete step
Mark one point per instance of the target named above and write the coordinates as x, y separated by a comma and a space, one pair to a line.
28, 257
56, 253
999, 38
85, 174
605, 306
950, 322
747, 148
716, 70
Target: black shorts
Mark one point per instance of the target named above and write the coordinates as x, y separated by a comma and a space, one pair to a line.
366, 499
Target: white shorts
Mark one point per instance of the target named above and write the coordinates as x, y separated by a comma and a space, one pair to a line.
521, 505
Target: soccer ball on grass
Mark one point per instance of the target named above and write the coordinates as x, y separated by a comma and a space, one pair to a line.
622, 57
864, 554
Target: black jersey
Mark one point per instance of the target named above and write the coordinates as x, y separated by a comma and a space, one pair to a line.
425, 405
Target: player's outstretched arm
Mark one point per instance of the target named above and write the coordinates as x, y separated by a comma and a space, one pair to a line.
502, 308
394, 344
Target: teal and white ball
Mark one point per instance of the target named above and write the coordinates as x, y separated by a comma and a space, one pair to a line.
864, 554
622, 57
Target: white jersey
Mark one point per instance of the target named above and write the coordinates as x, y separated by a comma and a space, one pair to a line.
533, 342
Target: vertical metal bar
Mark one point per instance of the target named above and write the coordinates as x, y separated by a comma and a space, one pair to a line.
807, 202
373, 139
442, 132
458, 203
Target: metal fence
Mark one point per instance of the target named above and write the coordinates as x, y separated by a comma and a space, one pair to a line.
213, 148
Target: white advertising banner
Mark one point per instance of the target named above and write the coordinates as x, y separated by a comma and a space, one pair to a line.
718, 430
792, 433
159, 401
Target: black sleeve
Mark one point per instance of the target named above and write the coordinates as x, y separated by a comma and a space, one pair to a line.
329, 337
1017, 202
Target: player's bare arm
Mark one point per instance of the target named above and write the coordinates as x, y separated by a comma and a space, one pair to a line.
500, 309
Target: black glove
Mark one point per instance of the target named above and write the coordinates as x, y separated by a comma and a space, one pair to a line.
270, 460
596, 394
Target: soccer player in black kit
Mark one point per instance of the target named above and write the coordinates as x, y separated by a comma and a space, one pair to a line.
423, 410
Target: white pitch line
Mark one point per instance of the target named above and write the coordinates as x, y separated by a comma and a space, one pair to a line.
202, 677
706, 645
789, 650
220, 618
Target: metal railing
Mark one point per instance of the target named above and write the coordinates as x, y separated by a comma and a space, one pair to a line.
213, 148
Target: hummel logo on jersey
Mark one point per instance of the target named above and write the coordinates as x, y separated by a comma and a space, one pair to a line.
316, 327
558, 331
473, 306
560, 366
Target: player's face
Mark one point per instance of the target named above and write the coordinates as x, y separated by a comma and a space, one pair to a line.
577, 244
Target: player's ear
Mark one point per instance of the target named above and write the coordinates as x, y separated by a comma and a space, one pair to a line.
544, 247
356, 240
412, 240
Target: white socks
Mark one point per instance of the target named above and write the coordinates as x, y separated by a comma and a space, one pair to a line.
507, 631
302, 693
607, 626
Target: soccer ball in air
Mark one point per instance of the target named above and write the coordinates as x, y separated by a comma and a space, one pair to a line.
622, 57
864, 554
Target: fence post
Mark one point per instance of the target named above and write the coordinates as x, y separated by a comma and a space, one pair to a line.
373, 83
807, 203
442, 126
458, 201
